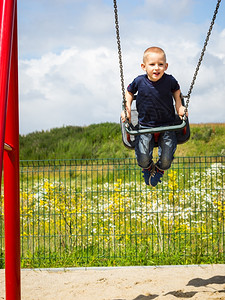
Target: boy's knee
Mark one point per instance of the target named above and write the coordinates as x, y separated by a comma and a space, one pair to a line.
165, 163
165, 166
143, 161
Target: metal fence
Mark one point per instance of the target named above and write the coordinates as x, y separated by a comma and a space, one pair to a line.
100, 212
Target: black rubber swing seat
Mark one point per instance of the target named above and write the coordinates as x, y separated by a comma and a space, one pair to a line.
131, 130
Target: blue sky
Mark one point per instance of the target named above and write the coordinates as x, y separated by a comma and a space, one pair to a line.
68, 64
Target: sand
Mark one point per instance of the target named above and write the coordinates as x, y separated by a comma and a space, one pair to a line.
122, 283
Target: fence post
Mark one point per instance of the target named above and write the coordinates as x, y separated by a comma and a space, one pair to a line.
11, 168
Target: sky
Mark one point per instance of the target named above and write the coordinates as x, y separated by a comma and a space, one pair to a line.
68, 60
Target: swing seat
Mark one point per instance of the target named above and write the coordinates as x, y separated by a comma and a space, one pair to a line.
129, 132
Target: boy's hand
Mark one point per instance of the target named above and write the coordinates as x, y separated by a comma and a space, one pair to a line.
123, 117
182, 111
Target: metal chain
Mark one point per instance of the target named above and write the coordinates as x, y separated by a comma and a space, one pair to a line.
120, 56
201, 57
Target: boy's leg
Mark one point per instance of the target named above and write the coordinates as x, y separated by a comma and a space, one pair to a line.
167, 147
144, 149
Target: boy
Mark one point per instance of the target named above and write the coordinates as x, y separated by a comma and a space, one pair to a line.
156, 91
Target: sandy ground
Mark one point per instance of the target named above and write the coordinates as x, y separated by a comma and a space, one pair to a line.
122, 283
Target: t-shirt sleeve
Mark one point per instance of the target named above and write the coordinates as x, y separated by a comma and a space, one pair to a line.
174, 85
133, 86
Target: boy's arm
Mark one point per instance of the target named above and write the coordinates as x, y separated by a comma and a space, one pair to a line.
129, 99
178, 104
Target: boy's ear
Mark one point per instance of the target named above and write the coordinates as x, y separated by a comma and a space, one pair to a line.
166, 66
143, 67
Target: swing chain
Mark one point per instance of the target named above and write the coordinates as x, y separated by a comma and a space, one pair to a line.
120, 56
201, 57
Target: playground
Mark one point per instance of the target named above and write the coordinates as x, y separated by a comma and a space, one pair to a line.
203, 282
100, 220
92, 229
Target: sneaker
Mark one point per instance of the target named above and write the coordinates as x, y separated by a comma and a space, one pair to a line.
155, 176
147, 173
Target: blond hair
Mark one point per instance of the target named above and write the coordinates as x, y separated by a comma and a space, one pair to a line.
154, 50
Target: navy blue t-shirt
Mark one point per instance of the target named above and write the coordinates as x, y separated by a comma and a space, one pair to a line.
154, 99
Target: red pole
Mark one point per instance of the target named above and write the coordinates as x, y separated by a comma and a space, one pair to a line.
11, 179
7, 8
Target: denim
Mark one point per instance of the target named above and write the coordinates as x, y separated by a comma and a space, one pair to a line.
167, 144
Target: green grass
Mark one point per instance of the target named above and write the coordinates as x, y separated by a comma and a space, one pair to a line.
96, 212
121, 221
205, 140
94, 141
104, 141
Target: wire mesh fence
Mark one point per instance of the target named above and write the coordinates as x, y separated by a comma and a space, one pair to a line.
100, 212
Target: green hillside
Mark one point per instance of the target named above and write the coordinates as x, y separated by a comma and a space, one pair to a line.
104, 141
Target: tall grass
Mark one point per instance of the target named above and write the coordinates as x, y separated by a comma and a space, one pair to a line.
104, 140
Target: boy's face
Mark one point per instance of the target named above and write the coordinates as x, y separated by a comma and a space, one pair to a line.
155, 65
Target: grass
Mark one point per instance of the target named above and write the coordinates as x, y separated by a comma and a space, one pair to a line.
113, 219
98, 212
205, 140
104, 141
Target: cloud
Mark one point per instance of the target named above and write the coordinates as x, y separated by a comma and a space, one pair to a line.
76, 87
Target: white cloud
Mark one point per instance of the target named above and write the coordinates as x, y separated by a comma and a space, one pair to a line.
76, 87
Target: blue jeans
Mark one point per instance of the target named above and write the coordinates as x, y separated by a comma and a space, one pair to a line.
167, 144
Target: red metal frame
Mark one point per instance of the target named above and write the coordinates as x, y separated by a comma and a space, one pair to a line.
9, 132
